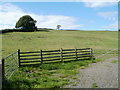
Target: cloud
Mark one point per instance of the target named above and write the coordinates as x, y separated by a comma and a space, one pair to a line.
99, 4
109, 15
51, 21
96, 3
5, 7
94, 0
11, 13
111, 26
60, 0
5, 26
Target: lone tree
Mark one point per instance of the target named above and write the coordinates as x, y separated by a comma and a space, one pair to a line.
58, 27
26, 23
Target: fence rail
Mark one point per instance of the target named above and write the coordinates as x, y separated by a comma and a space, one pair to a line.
61, 55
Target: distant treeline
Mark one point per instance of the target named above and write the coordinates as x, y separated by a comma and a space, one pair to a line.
20, 30
38, 29
9, 30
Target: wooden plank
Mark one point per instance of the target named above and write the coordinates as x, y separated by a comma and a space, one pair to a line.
82, 51
84, 54
19, 57
30, 61
68, 55
29, 55
61, 56
29, 52
84, 59
29, 58
50, 53
51, 57
67, 52
76, 54
41, 56
28, 64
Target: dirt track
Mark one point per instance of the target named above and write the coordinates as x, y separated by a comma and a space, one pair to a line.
102, 74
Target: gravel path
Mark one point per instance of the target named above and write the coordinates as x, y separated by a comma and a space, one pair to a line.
102, 74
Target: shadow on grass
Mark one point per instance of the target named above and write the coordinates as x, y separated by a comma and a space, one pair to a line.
43, 30
19, 83
53, 63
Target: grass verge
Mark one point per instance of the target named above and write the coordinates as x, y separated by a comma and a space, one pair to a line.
94, 85
46, 75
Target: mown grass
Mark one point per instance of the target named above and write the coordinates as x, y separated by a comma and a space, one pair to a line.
46, 75
56, 39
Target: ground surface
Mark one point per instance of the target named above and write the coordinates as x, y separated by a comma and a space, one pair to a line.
100, 75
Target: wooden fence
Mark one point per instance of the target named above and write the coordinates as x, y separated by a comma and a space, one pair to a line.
52, 56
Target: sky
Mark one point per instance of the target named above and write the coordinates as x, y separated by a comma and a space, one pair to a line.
70, 15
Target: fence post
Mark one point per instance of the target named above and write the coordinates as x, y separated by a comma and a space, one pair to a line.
19, 58
41, 58
3, 69
76, 53
61, 56
91, 53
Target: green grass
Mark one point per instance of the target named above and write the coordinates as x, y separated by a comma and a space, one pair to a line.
94, 85
114, 61
46, 75
59, 74
56, 39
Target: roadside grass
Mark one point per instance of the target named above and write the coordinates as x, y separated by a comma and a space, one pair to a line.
114, 61
94, 85
46, 75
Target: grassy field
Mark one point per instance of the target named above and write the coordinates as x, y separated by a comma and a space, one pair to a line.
59, 74
55, 39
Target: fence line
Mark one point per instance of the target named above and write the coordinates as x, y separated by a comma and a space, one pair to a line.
9, 65
100, 53
61, 55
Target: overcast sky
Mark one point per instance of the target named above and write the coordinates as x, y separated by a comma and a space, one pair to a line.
70, 15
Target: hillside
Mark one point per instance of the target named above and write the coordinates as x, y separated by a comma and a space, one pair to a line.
55, 39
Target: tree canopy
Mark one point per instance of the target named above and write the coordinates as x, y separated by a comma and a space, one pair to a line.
26, 23
58, 27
